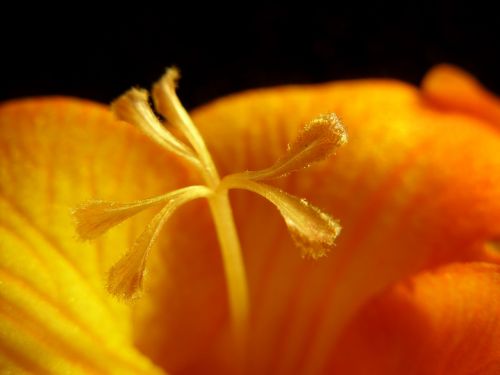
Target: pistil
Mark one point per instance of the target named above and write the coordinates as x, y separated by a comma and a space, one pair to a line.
313, 231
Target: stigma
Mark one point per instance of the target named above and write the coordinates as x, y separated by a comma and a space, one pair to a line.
313, 230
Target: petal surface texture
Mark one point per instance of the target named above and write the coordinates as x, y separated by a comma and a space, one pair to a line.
55, 314
417, 186
439, 322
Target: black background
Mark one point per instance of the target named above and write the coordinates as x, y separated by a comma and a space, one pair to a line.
83, 50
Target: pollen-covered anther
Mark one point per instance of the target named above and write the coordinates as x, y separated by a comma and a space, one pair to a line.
125, 277
315, 142
165, 97
167, 103
94, 218
315, 234
313, 231
321, 136
133, 107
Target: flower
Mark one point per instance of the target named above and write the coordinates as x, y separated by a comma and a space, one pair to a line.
412, 285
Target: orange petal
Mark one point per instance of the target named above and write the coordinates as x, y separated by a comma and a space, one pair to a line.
438, 322
412, 177
454, 89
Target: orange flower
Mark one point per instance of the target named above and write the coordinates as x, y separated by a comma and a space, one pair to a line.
411, 287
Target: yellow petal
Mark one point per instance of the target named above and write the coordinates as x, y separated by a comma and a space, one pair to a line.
55, 314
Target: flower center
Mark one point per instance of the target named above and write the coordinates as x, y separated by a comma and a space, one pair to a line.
312, 230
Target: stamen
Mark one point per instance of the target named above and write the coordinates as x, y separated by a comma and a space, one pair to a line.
167, 103
125, 277
133, 107
317, 141
313, 231
94, 218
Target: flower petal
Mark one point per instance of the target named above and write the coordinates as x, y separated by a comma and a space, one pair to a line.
438, 322
55, 314
412, 177
454, 89
399, 184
